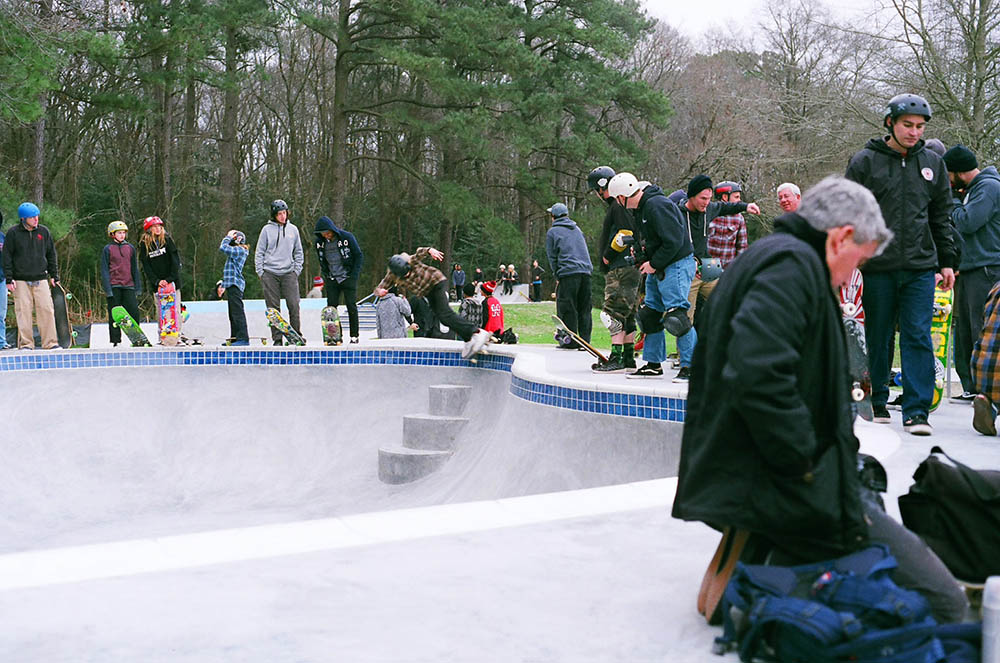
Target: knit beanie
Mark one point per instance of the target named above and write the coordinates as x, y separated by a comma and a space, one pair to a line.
960, 159
698, 184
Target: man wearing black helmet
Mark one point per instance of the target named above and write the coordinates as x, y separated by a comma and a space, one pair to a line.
912, 188
621, 281
278, 262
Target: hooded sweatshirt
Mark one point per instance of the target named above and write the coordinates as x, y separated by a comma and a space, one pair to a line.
977, 218
663, 229
698, 222
279, 249
567, 249
29, 255
340, 259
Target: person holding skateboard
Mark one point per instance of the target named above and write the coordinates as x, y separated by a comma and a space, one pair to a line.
410, 274
31, 267
3, 295
120, 277
234, 246
340, 260
161, 261
768, 446
912, 187
278, 262
569, 260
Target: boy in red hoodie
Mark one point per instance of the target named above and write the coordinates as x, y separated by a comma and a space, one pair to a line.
492, 310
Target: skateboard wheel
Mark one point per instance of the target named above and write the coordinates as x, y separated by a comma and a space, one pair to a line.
858, 394
69, 295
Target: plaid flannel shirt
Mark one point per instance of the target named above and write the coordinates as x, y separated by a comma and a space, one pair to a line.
232, 271
986, 352
727, 238
419, 280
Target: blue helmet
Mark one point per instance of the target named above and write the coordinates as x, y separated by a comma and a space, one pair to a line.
711, 269
28, 210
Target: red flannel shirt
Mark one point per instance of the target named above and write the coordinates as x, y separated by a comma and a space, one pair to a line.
727, 238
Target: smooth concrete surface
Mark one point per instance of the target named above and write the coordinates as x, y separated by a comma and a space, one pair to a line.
234, 514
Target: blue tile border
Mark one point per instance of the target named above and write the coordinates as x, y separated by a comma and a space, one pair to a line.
642, 406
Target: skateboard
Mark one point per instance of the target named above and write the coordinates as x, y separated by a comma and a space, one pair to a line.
275, 320
940, 331
64, 330
576, 337
736, 545
166, 297
857, 346
131, 328
263, 340
333, 333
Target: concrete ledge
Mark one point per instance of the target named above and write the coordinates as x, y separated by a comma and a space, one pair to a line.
431, 432
448, 399
400, 465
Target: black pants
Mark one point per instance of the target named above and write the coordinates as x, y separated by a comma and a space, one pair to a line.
121, 296
536, 292
237, 316
349, 289
573, 304
971, 289
438, 299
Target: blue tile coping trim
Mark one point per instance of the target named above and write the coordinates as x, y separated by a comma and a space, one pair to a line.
639, 405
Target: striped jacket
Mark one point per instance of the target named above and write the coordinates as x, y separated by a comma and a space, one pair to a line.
986, 353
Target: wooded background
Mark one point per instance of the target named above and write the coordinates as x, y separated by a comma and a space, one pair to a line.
452, 123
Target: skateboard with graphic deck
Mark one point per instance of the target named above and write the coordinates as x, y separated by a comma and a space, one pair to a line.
170, 329
275, 320
127, 324
940, 331
857, 346
333, 333
579, 340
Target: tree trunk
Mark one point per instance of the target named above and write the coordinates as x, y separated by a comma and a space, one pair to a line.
338, 147
228, 167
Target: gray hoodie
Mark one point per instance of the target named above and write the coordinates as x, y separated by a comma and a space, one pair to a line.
279, 249
567, 249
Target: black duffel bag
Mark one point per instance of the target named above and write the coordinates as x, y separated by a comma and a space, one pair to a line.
956, 511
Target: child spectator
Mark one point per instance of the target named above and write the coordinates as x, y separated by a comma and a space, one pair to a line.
235, 246
161, 262
392, 315
317, 289
492, 310
470, 308
120, 277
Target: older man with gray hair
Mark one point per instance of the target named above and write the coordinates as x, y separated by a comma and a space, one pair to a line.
789, 196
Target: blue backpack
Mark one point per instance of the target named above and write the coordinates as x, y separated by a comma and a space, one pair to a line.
847, 609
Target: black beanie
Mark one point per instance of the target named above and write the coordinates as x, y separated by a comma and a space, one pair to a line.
698, 184
960, 159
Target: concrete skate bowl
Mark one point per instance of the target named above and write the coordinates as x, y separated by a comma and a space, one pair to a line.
110, 445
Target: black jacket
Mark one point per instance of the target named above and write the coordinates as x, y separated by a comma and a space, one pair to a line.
350, 251
663, 229
768, 441
161, 263
698, 222
29, 255
616, 219
915, 196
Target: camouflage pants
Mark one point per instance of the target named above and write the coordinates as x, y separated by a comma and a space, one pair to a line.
621, 292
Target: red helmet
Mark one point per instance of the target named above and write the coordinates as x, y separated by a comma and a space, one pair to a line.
151, 221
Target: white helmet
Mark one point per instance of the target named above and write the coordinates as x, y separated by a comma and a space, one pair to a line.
510, 266
623, 184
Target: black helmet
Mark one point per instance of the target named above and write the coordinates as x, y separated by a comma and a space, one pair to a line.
723, 188
277, 206
399, 265
907, 104
599, 177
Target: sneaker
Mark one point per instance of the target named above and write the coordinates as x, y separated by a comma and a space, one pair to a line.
896, 403
354, 339
476, 343
881, 414
612, 365
984, 415
675, 363
964, 397
917, 425
646, 371
629, 364
683, 375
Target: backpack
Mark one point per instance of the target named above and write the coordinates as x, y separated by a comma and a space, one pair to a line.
956, 511
508, 337
847, 609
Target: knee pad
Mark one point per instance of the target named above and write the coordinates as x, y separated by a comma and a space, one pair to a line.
676, 321
629, 324
613, 324
649, 320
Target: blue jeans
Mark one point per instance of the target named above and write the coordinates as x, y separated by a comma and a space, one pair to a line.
911, 294
663, 294
3, 315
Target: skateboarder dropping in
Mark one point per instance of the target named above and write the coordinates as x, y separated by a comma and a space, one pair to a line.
120, 277
31, 268
768, 444
234, 246
912, 188
340, 260
410, 274
278, 261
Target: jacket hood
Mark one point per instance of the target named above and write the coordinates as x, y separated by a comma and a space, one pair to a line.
565, 222
879, 145
988, 173
796, 225
324, 223
649, 192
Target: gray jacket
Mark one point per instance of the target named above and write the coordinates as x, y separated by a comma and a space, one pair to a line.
389, 316
567, 249
279, 249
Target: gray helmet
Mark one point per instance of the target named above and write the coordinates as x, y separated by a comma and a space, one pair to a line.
907, 104
723, 188
558, 211
277, 206
711, 269
599, 177
399, 265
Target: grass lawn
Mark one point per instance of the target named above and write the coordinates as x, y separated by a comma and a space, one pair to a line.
533, 324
